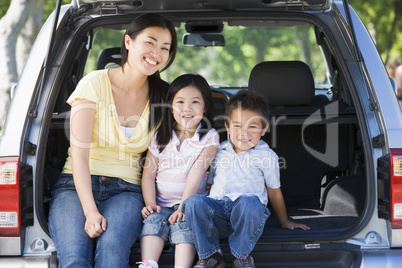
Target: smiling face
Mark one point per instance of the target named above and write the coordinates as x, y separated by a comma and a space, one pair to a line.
245, 129
149, 51
188, 108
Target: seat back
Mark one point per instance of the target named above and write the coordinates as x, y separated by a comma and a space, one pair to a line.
290, 91
283, 83
109, 58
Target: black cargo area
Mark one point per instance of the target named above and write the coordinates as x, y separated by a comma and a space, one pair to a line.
327, 198
322, 168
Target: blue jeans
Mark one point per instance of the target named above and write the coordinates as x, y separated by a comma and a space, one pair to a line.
158, 224
118, 201
241, 221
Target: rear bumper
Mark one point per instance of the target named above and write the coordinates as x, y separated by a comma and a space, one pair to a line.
365, 259
390, 258
382, 258
10, 246
29, 262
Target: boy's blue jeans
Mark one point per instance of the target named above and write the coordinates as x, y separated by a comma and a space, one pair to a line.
241, 221
118, 201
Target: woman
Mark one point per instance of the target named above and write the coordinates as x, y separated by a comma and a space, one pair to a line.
95, 214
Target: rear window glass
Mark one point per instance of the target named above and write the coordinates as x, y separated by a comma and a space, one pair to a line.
230, 65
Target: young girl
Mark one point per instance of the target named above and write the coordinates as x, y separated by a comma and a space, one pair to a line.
175, 168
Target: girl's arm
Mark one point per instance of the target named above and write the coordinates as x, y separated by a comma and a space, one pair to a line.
81, 124
148, 185
278, 203
194, 177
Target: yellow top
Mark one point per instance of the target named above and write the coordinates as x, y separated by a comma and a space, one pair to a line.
111, 154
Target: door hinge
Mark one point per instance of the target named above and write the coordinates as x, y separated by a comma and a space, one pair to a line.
29, 148
379, 141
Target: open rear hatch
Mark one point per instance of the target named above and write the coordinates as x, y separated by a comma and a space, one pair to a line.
129, 7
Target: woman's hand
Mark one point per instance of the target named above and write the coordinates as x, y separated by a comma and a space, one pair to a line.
148, 210
176, 216
95, 224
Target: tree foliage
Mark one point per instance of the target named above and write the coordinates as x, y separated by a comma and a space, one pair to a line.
4, 4
384, 22
248, 47
48, 7
18, 24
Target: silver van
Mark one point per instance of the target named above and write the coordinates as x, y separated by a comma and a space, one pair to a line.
335, 121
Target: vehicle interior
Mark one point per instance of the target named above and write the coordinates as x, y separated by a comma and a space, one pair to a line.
314, 127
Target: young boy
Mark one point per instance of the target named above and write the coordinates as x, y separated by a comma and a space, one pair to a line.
244, 174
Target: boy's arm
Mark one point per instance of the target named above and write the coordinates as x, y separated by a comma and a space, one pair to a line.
278, 203
148, 185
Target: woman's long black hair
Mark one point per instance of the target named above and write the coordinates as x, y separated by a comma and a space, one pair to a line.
157, 87
165, 132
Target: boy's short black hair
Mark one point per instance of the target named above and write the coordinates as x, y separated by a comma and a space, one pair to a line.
248, 100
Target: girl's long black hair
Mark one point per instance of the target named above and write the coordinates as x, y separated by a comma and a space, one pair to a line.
157, 87
165, 132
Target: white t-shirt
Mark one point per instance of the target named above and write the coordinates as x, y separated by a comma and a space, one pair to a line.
174, 165
246, 173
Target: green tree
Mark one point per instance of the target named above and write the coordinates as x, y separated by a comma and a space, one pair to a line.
20, 22
245, 47
383, 20
4, 4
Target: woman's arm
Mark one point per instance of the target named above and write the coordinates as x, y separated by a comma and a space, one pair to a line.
81, 124
194, 177
148, 185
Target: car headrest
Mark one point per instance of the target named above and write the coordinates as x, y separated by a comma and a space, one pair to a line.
109, 58
283, 83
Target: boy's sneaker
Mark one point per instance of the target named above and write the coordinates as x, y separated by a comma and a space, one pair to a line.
215, 261
244, 263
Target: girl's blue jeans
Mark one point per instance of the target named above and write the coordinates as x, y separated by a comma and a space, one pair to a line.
158, 224
118, 201
241, 221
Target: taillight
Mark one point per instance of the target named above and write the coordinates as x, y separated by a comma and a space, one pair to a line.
396, 187
10, 207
